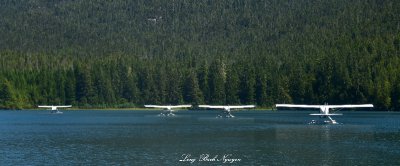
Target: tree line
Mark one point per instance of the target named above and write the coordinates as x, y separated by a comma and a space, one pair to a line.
129, 53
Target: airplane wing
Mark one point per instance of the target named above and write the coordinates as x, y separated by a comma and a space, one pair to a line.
44, 106
242, 106
225, 106
63, 106
59, 106
212, 106
164, 106
352, 106
155, 106
297, 106
181, 106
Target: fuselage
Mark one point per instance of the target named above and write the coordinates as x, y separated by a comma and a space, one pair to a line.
324, 110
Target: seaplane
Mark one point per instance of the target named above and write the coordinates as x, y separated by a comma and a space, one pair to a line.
167, 109
54, 108
324, 110
226, 109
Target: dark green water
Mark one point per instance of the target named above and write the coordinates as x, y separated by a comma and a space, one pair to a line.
143, 138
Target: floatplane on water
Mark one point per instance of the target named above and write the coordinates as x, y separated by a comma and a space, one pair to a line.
226, 112
324, 109
167, 109
54, 108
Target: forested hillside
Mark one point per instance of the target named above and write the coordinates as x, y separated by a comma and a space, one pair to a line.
123, 53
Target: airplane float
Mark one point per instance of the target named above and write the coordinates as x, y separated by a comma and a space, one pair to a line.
54, 108
324, 109
167, 109
226, 112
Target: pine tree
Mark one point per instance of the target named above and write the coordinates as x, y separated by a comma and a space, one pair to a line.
192, 92
84, 86
232, 87
216, 80
148, 87
203, 82
7, 95
175, 92
261, 90
70, 88
247, 85
129, 91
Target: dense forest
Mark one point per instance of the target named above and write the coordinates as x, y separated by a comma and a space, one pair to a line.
124, 53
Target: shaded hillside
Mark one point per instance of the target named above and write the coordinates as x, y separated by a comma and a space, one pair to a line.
123, 53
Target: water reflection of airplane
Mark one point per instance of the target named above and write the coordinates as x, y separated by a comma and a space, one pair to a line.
226, 112
167, 109
324, 109
54, 108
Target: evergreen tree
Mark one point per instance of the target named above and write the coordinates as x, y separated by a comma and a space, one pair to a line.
70, 88
216, 83
232, 87
203, 82
175, 93
192, 92
240, 52
248, 85
7, 95
261, 90
84, 86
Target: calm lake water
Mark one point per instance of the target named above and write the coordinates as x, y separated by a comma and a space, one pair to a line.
197, 138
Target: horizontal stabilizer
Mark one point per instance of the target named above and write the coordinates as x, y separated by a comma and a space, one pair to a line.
326, 114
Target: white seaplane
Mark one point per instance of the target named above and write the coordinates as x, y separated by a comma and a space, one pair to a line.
54, 108
167, 109
226, 112
324, 109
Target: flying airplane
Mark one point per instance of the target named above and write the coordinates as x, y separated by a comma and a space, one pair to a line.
324, 109
226, 112
54, 108
167, 108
